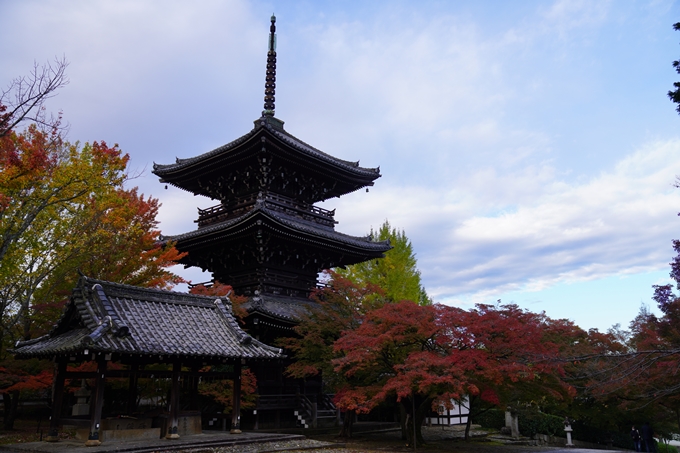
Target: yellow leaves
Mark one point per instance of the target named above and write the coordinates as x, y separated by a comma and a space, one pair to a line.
396, 273
65, 208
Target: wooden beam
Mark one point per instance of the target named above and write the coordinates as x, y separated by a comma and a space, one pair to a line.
149, 374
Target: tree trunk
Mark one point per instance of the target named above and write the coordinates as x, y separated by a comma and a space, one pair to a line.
471, 401
346, 431
26, 316
421, 413
467, 428
417, 418
409, 429
11, 402
26, 326
402, 420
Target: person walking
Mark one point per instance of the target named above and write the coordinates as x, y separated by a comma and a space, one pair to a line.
648, 438
635, 435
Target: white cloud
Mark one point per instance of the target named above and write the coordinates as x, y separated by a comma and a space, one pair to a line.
565, 15
500, 136
475, 242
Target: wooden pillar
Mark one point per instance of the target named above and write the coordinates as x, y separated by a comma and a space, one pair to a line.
92, 401
236, 400
98, 396
173, 416
194, 387
57, 398
132, 389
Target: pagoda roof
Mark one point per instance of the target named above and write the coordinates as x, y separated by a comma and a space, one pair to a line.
114, 318
281, 308
312, 230
186, 173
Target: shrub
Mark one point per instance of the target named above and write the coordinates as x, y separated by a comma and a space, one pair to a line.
665, 448
493, 418
534, 422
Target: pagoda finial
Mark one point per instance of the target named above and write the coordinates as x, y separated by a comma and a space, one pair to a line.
270, 81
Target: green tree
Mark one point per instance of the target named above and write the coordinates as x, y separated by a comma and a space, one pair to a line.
397, 273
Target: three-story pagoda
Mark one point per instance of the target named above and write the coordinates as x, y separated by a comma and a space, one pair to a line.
265, 237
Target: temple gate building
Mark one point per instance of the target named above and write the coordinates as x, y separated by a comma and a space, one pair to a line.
141, 333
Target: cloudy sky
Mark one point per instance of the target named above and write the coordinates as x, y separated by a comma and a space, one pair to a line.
528, 149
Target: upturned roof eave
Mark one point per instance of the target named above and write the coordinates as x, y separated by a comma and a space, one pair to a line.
363, 243
164, 171
266, 305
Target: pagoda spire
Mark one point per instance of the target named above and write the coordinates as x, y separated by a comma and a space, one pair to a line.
270, 81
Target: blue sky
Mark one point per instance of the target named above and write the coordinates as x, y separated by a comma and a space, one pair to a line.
528, 149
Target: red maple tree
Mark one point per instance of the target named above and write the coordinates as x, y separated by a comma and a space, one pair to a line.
428, 356
219, 289
340, 307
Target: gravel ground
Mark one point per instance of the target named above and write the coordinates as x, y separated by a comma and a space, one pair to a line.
305, 445
438, 440
448, 439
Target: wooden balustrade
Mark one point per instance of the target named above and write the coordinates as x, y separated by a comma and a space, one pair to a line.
219, 213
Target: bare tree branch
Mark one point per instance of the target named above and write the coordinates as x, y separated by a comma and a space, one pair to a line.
24, 98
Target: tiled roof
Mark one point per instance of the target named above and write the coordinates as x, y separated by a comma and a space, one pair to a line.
264, 123
302, 146
302, 226
108, 317
284, 308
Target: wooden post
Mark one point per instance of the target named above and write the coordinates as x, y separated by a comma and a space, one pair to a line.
194, 387
173, 416
132, 389
236, 400
315, 414
96, 417
57, 398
